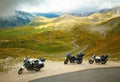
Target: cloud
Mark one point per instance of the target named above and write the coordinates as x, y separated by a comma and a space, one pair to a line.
61, 5
109, 5
69, 5
7, 7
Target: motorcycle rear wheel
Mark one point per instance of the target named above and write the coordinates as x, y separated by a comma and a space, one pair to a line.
37, 69
103, 62
79, 61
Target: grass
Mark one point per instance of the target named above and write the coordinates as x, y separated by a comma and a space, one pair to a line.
42, 43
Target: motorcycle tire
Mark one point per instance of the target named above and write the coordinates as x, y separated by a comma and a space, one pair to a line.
79, 61
91, 61
20, 71
66, 62
103, 62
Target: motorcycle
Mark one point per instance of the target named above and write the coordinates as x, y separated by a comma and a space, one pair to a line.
72, 59
34, 65
103, 59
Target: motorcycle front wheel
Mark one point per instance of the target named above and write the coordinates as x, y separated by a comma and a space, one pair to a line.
91, 61
20, 71
66, 61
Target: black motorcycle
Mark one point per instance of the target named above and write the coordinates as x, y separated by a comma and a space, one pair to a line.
103, 59
74, 59
34, 65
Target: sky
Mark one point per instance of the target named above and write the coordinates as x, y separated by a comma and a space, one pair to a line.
8, 7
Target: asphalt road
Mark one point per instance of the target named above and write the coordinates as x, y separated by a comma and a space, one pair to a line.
92, 75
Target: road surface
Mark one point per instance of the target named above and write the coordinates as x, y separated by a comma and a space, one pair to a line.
90, 75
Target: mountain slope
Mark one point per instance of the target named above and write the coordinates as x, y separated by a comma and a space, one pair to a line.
112, 40
112, 23
19, 19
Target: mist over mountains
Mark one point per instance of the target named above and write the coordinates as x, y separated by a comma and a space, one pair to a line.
19, 19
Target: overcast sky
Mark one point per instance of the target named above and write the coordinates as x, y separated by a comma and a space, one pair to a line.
7, 7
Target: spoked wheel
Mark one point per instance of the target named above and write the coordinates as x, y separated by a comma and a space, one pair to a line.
91, 61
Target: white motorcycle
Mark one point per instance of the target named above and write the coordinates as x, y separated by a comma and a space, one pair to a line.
103, 59
34, 65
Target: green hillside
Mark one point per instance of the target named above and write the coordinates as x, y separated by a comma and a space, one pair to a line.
43, 41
